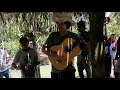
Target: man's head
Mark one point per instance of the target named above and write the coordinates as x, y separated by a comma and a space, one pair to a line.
30, 44
24, 42
81, 26
63, 20
113, 37
63, 25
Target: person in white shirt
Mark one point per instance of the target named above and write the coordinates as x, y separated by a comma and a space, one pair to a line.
4, 59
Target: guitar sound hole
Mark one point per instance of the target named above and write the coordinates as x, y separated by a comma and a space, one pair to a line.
68, 48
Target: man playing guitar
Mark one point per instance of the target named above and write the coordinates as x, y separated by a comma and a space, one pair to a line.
63, 21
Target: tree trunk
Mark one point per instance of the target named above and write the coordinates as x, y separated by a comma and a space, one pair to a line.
97, 47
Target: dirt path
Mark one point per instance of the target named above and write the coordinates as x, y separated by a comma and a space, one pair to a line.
44, 70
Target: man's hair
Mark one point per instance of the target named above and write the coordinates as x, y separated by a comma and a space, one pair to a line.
68, 24
113, 34
82, 24
23, 40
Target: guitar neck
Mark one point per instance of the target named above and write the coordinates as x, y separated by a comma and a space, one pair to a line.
75, 44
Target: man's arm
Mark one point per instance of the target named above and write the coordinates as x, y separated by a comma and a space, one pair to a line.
7, 57
36, 61
46, 48
47, 45
49, 52
16, 60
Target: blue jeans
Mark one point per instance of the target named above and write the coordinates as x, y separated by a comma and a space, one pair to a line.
5, 73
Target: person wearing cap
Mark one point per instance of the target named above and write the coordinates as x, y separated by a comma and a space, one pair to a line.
63, 21
83, 61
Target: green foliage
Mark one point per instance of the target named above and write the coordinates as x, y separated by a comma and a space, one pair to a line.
113, 27
42, 39
12, 46
15, 25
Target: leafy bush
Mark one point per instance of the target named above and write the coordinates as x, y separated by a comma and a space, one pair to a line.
12, 47
113, 27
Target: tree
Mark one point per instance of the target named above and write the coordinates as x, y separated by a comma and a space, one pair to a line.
15, 25
114, 26
96, 42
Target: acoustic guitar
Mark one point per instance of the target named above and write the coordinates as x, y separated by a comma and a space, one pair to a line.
68, 49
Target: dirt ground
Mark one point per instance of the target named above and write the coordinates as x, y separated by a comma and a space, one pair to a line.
45, 71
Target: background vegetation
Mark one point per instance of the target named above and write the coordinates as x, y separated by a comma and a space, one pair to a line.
15, 25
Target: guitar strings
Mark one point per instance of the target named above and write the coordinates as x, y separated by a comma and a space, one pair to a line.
68, 52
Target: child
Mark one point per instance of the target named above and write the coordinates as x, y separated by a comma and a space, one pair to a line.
113, 50
107, 58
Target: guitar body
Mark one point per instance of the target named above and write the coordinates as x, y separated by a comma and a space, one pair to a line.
61, 51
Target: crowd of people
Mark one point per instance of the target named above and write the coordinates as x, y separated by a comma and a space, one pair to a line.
26, 59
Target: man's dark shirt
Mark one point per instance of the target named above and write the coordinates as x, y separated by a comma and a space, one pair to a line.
55, 39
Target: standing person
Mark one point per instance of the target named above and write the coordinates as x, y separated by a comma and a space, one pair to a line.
117, 66
83, 60
113, 50
37, 68
4, 60
107, 58
26, 59
63, 21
